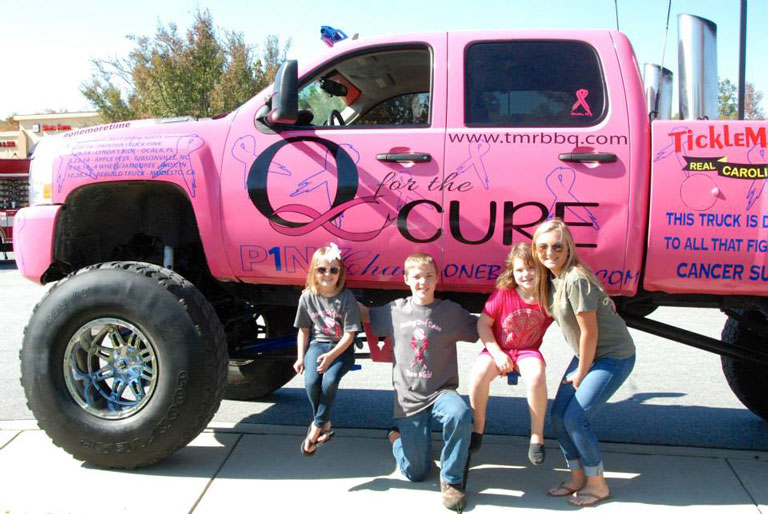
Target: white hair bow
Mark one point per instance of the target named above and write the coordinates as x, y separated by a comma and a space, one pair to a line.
334, 253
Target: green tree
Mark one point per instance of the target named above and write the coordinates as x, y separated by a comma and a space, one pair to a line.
728, 102
272, 56
319, 103
200, 74
727, 106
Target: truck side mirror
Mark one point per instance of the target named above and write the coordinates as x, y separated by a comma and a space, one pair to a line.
285, 95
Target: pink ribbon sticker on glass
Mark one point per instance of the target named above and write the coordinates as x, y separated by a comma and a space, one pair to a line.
581, 101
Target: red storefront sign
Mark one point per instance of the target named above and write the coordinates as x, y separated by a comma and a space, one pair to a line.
54, 128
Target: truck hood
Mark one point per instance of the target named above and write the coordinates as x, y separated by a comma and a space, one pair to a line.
127, 149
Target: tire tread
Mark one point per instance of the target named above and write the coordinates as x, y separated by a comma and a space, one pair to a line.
216, 361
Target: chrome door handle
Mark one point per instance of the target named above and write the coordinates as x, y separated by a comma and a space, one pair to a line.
404, 157
587, 157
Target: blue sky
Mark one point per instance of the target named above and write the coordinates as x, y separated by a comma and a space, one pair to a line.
49, 45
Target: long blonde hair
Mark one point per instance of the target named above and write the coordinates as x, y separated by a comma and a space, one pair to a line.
520, 251
322, 253
573, 265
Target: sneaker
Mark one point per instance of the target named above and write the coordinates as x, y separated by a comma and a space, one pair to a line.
454, 497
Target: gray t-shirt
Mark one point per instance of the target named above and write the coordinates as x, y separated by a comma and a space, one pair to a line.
424, 339
329, 317
613, 339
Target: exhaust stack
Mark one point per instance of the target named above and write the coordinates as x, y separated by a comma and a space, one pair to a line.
657, 82
697, 67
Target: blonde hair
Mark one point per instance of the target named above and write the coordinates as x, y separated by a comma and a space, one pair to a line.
418, 259
320, 254
573, 265
520, 251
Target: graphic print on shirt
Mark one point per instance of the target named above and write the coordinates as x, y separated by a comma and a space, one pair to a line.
329, 322
420, 343
522, 328
332, 327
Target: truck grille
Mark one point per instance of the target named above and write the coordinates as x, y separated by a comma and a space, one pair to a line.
14, 193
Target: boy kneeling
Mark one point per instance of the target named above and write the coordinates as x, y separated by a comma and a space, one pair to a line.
424, 331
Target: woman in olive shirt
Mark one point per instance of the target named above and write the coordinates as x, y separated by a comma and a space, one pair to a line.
604, 356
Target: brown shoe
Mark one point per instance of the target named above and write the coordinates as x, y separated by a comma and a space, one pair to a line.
454, 497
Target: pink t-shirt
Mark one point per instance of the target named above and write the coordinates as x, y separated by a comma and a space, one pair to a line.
517, 325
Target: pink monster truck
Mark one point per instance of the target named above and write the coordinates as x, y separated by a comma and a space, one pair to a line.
181, 246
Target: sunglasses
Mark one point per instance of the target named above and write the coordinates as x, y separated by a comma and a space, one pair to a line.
334, 270
555, 247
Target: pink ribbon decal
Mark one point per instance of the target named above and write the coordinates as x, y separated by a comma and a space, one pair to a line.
581, 96
324, 220
475, 160
560, 182
757, 186
244, 152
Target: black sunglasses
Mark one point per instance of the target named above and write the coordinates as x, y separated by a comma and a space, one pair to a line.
555, 247
323, 270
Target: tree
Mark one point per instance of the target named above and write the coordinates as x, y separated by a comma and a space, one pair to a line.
168, 75
752, 99
320, 103
9, 124
728, 107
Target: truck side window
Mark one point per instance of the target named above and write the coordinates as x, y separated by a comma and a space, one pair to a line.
408, 109
533, 84
381, 88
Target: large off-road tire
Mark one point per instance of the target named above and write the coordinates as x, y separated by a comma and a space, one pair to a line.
748, 381
253, 379
250, 379
123, 363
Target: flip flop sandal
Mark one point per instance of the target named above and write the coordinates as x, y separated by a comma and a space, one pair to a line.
308, 447
325, 436
592, 500
569, 490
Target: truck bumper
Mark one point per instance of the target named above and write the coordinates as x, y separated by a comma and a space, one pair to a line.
33, 238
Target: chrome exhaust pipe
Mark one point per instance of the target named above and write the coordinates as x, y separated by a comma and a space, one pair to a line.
697, 67
657, 82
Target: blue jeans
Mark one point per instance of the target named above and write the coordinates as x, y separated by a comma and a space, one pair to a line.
411, 451
572, 410
322, 387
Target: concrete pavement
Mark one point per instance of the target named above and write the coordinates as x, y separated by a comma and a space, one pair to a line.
258, 468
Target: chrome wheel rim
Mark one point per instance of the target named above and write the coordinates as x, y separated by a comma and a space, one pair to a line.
110, 368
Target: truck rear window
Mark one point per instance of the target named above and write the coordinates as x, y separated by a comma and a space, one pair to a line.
533, 84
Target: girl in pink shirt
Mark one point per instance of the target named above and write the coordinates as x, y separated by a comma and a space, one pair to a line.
511, 328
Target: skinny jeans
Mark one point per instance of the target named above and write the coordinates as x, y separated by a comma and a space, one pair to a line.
322, 387
573, 409
412, 450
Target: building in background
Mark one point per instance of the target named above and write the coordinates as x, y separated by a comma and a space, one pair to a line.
15, 149
18, 144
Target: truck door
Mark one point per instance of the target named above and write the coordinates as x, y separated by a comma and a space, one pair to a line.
529, 120
354, 169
